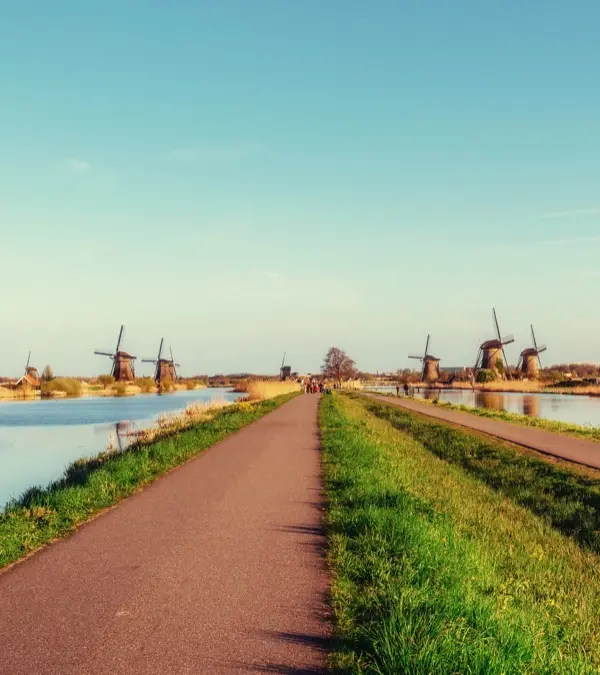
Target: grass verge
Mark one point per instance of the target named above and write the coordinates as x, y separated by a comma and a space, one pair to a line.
436, 572
90, 486
569, 501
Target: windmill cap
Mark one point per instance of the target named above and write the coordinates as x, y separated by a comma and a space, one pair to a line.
124, 355
530, 351
489, 344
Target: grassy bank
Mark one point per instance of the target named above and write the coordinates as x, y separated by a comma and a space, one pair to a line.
438, 571
92, 485
591, 433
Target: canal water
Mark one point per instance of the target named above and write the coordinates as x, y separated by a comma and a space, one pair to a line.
583, 410
39, 439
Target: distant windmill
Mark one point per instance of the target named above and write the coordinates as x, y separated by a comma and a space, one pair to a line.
31, 378
492, 351
284, 371
529, 360
431, 365
122, 370
164, 371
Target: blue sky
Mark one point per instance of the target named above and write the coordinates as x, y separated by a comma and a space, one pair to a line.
246, 178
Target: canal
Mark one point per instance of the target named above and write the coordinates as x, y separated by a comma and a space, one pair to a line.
39, 439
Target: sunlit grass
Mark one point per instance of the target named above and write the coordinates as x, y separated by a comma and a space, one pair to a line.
435, 571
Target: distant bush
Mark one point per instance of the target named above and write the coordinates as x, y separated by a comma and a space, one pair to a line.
191, 384
165, 387
105, 380
120, 389
47, 374
65, 384
485, 375
146, 384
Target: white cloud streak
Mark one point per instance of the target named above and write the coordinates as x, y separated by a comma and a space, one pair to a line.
570, 214
77, 165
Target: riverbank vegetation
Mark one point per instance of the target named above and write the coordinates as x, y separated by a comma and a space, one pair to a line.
88, 486
257, 390
450, 554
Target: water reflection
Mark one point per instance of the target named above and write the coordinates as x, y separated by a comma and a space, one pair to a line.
583, 410
431, 394
489, 400
531, 406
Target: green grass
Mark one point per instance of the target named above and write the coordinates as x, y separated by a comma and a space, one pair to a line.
436, 572
67, 385
92, 485
589, 432
568, 501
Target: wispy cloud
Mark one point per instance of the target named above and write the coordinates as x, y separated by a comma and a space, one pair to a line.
215, 153
566, 242
272, 275
569, 214
77, 165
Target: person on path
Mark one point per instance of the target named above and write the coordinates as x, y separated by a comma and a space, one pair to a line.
397, 390
406, 388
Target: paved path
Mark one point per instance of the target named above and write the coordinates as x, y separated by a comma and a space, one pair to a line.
570, 448
215, 568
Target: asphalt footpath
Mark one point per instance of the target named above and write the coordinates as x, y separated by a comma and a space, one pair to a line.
217, 567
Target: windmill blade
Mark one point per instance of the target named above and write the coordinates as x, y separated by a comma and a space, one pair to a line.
506, 366
173, 361
120, 337
508, 339
477, 360
533, 337
149, 361
426, 346
97, 351
28, 359
414, 356
283, 361
160, 349
541, 348
496, 324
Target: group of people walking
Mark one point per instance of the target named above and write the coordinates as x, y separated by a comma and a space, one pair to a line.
315, 387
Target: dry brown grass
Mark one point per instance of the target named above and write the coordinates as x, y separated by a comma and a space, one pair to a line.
261, 390
168, 423
528, 387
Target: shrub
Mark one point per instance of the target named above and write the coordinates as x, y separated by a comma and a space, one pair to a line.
146, 384
485, 375
67, 385
105, 380
120, 389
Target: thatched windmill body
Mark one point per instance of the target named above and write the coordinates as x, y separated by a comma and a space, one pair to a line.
430, 372
492, 351
30, 379
164, 370
529, 361
123, 367
285, 371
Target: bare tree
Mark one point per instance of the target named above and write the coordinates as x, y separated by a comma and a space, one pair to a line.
338, 365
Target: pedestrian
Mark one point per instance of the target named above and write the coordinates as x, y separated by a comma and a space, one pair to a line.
406, 388
397, 390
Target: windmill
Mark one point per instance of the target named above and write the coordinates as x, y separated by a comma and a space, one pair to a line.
529, 360
164, 371
31, 378
492, 351
431, 365
122, 370
284, 371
